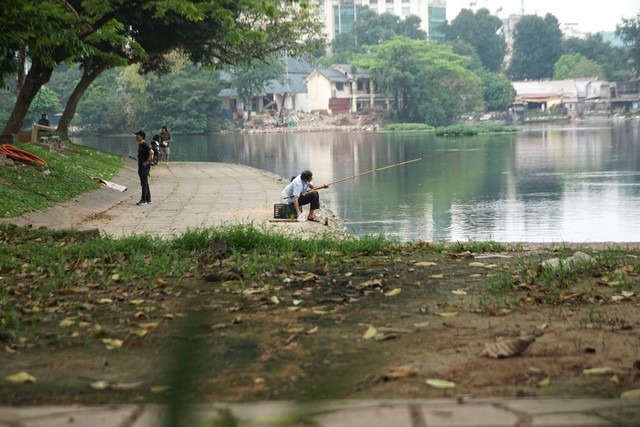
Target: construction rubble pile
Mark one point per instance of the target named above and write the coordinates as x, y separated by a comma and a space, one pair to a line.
303, 122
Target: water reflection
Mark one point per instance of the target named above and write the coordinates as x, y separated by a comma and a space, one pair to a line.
546, 184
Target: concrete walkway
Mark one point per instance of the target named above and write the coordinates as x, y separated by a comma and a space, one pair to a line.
192, 195
185, 195
345, 413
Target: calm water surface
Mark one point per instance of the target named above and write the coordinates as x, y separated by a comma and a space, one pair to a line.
549, 183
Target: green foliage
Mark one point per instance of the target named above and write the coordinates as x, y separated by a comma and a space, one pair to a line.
482, 31
105, 108
536, 49
497, 91
185, 101
249, 79
372, 28
427, 81
27, 189
7, 100
464, 130
46, 101
101, 34
613, 60
403, 127
63, 80
629, 31
571, 66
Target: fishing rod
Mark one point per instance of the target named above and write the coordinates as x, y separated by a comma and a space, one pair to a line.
374, 170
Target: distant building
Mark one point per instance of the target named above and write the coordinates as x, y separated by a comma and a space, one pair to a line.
576, 97
339, 15
289, 94
343, 89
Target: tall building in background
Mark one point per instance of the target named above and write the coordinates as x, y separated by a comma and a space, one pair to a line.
339, 15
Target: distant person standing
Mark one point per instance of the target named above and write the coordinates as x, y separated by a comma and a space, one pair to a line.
145, 154
165, 140
44, 121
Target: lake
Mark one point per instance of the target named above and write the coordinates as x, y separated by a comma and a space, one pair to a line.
549, 183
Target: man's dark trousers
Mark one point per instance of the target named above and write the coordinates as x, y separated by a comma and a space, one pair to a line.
143, 173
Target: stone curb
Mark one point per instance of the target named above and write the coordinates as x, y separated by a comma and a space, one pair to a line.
346, 413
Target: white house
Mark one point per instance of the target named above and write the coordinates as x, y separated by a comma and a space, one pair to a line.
343, 89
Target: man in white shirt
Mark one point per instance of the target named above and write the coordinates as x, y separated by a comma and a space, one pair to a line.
300, 192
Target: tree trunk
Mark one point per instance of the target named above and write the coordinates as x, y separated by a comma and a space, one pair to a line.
22, 60
38, 75
88, 76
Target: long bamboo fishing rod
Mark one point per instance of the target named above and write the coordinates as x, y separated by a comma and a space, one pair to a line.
375, 170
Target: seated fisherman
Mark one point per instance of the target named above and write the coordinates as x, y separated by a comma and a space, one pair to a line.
300, 192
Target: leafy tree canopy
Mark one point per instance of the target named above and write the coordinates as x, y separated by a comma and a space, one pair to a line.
629, 31
613, 60
537, 47
428, 81
497, 91
213, 32
372, 28
249, 79
482, 31
576, 66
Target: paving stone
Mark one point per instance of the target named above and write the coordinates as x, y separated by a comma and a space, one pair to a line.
68, 416
469, 414
396, 416
568, 420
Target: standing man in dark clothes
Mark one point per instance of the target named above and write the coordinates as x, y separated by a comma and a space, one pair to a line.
145, 154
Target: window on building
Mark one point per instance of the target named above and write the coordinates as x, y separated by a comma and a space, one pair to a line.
373, 1
343, 17
363, 86
389, 2
406, 11
340, 86
437, 18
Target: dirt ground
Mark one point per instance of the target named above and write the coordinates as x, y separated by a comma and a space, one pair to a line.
379, 327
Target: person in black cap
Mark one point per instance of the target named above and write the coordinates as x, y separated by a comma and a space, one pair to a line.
145, 154
301, 191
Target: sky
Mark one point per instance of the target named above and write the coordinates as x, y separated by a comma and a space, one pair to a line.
589, 16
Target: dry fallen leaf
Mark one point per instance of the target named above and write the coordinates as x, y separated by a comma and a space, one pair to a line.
99, 385
68, 322
425, 264
112, 343
437, 276
631, 394
437, 383
507, 347
598, 371
405, 371
393, 292
370, 333
126, 386
368, 283
20, 378
545, 382
448, 314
